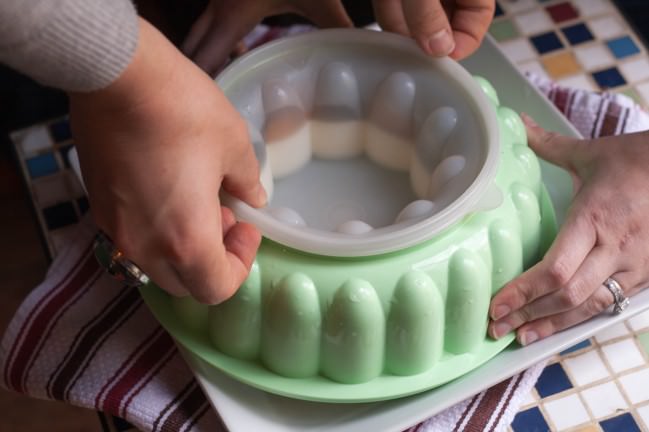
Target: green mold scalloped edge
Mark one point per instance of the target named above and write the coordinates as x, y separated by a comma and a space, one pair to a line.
319, 388
299, 351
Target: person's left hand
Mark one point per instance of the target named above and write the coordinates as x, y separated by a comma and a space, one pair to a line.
224, 23
605, 234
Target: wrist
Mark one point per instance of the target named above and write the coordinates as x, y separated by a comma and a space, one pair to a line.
153, 65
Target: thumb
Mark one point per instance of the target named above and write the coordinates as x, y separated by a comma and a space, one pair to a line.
429, 26
554, 148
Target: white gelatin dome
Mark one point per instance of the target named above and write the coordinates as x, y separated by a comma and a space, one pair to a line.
366, 145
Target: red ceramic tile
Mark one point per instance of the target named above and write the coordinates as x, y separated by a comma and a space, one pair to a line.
562, 12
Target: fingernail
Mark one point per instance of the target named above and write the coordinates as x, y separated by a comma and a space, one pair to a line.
529, 121
528, 337
441, 43
501, 329
261, 194
500, 311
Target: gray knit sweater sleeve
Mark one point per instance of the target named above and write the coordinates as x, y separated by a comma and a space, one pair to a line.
74, 45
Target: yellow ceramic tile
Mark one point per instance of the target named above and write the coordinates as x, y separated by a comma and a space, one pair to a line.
590, 428
561, 65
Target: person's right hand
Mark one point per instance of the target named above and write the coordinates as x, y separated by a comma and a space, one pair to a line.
605, 234
441, 27
155, 148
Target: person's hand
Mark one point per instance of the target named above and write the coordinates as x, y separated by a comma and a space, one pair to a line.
605, 234
155, 148
224, 23
441, 27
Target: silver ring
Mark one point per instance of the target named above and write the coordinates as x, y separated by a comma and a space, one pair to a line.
620, 302
113, 260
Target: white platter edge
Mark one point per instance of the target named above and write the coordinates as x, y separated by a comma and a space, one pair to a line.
243, 408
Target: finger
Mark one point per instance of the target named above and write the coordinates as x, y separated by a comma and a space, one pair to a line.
242, 181
198, 257
389, 15
330, 14
225, 31
227, 220
429, 26
574, 242
197, 31
470, 21
241, 242
597, 266
552, 147
163, 275
601, 300
240, 49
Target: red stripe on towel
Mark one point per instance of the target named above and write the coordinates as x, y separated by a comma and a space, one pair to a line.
51, 310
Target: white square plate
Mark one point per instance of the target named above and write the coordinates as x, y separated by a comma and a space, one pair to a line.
244, 408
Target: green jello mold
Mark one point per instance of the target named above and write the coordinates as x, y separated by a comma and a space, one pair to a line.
354, 329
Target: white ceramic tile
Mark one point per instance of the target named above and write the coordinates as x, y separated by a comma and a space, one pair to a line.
529, 398
62, 237
604, 399
643, 89
639, 321
50, 190
34, 140
578, 81
566, 412
636, 386
586, 368
515, 6
74, 184
594, 56
623, 355
606, 27
533, 67
588, 8
644, 415
534, 22
635, 70
618, 330
518, 50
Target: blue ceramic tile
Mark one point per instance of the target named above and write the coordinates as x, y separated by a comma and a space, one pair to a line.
624, 422
546, 42
60, 215
577, 34
64, 150
83, 205
499, 11
530, 420
623, 47
609, 78
61, 130
42, 165
553, 380
577, 347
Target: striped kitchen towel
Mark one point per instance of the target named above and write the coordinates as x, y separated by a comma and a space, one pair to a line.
82, 338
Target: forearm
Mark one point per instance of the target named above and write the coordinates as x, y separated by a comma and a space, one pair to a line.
74, 45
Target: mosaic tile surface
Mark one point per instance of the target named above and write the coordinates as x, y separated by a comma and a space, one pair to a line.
579, 43
600, 384
57, 196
